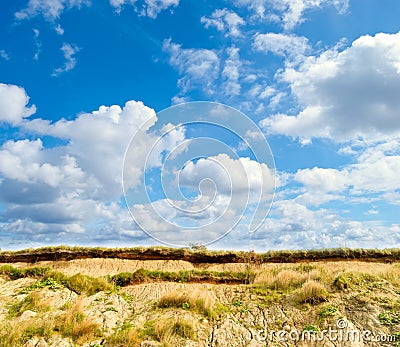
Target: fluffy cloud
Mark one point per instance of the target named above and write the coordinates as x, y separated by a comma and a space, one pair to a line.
289, 46
225, 21
375, 172
199, 66
288, 12
69, 52
98, 140
294, 226
343, 99
240, 176
13, 104
49, 9
51, 194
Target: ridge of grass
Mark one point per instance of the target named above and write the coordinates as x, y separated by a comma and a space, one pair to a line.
200, 254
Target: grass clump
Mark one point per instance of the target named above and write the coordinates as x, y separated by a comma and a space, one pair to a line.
80, 284
199, 301
32, 302
166, 329
351, 280
10, 336
288, 279
126, 336
311, 292
74, 324
15, 273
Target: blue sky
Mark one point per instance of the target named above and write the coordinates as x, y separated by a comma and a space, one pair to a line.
319, 79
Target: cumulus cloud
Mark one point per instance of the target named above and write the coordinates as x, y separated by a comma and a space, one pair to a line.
288, 46
294, 226
49, 9
13, 104
374, 172
342, 98
288, 12
98, 140
198, 66
69, 52
225, 21
51, 194
241, 176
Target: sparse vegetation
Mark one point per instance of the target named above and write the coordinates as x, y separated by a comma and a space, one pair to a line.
74, 324
32, 302
125, 336
199, 301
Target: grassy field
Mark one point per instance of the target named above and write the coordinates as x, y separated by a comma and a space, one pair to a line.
105, 301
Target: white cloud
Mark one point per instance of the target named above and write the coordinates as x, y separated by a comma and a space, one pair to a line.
98, 140
20, 161
50, 194
49, 9
288, 46
13, 104
292, 225
288, 12
231, 72
375, 172
4, 55
149, 8
225, 21
59, 30
343, 99
69, 52
38, 44
237, 177
154, 7
198, 66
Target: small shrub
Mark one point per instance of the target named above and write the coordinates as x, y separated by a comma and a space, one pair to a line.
237, 303
328, 311
49, 282
311, 328
389, 318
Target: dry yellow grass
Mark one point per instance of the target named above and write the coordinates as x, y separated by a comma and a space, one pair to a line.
75, 325
198, 300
